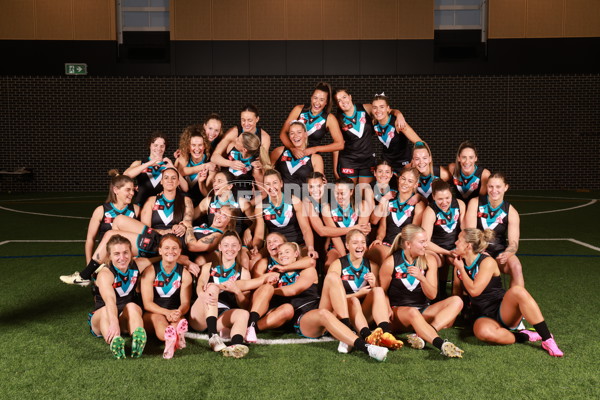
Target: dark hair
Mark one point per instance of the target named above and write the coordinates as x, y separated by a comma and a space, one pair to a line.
157, 135
381, 97
439, 185
467, 144
179, 202
315, 175
118, 181
325, 87
250, 108
233, 233
213, 116
498, 175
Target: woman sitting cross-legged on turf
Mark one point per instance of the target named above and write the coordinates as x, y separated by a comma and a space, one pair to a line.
116, 299
352, 291
167, 291
493, 212
295, 298
220, 304
497, 311
409, 277
120, 194
394, 213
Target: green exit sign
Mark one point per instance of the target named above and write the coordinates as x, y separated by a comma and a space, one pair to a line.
75, 69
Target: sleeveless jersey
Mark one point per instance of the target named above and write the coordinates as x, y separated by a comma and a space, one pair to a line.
447, 225
316, 125
357, 131
282, 219
425, 182
400, 215
293, 170
488, 302
215, 205
257, 132
167, 286
219, 275
194, 188
148, 182
495, 219
124, 285
344, 218
380, 190
163, 213
468, 187
354, 278
405, 290
110, 212
203, 231
243, 178
310, 295
396, 149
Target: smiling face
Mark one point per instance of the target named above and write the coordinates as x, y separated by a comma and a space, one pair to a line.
344, 101
287, 254
212, 129
407, 183
383, 174
229, 247
273, 242
421, 160
316, 188
496, 188
462, 247
221, 218
318, 101
248, 120
220, 184
356, 245
443, 199
170, 180
417, 246
298, 135
120, 255
157, 149
273, 185
170, 250
343, 193
467, 159
125, 193
381, 110
196, 147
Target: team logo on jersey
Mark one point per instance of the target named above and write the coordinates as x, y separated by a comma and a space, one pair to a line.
168, 285
355, 125
222, 275
409, 281
124, 285
235, 155
448, 222
279, 217
313, 124
355, 279
287, 279
344, 221
400, 214
154, 173
492, 218
466, 186
385, 134
424, 187
292, 164
164, 211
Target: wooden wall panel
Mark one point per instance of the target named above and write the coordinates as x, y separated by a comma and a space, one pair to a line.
507, 19
54, 19
230, 20
544, 18
17, 19
267, 20
415, 19
304, 20
582, 18
341, 19
91, 20
191, 20
379, 19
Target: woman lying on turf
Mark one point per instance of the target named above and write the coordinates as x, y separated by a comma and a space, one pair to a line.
409, 277
295, 298
491, 211
497, 311
116, 299
166, 291
120, 193
221, 303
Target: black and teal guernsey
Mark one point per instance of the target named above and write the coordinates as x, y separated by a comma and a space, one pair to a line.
110, 212
294, 170
316, 125
242, 179
301, 300
257, 132
344, 217
405, 290
282, 219
163, 213
495, 219
396, 149
446, 227
218, 275
354, 278
124, 285
358, 133
468, 187
148, 182
215, 205
167, 286
194, 187
400, 215
381, 190
424, 188
488, 302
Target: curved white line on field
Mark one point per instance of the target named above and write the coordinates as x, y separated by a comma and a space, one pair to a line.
549, 197
50, 198
203, 336
562, 209
579, 242
42, 214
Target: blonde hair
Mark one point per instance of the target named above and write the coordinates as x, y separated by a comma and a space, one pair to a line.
407, 235
293, 245
301, 124
251, 142
353, 232
478, 239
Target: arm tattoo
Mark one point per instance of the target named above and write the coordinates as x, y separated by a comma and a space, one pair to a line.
208, 239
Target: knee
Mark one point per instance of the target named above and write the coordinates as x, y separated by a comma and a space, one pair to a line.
133, 309
264, 290
412, 313
378, 291
288, 312
514, 266
331, 279
485, 334
212, 290
353, 302
519, 292
456, 302
325, 314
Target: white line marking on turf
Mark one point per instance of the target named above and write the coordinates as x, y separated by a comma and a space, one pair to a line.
579, 242
41, 241
561, 209
550, 197
203, 336
42, 214
49, 198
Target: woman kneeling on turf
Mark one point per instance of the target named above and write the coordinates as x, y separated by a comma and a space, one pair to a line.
116, 300
409, 276
166, 291
498, 311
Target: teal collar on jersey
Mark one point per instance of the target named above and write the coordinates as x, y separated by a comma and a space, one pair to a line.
278, 209
225, 273
194, 164
384, 127
473, 269
165, 274
120, 211
345, 212
311, 117
352, 118
230, 200
493, 209
360, 267
467, 178
406, 261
